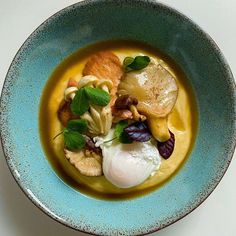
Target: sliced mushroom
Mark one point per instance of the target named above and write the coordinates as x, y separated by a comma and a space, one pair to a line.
106, 118
88, 164
137, 116
88, 80
91, 123
64, 112
95, 112
124, 103
69, 93
99, 118
159, 128
123, 114
105, 84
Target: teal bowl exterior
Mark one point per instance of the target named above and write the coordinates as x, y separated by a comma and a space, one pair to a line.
86, 23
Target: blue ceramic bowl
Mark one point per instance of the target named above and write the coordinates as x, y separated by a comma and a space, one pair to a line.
88, 22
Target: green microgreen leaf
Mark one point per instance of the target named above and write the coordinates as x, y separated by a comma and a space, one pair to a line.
120, 127
127, 61
73, 140
97, 96
79, 125
124, 138
138, 63
120, 134
80, 103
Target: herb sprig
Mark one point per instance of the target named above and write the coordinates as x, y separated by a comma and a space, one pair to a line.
137, 63
127, 133
120, 134
73, 138
80, 103
86, 96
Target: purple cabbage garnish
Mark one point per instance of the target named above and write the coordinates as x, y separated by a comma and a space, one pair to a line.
138, 131
166, 148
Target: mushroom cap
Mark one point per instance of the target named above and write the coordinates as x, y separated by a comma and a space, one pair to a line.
104, 83
86, 165
87, 80
70, 93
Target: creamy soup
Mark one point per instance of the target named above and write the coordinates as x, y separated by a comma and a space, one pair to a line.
182, 121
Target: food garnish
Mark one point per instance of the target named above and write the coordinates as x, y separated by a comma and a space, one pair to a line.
80, 103
86, 96
73, 138
120, 134
159, 128
99, 117
97, 96
137, 63
138, 132
80, 126
119, 115
166, 148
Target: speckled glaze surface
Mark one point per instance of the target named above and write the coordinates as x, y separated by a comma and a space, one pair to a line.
88, 22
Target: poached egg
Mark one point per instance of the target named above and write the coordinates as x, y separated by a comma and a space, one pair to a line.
128, 165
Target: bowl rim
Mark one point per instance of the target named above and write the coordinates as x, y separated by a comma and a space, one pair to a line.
154, 3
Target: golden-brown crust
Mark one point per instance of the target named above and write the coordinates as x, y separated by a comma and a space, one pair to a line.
64, 112
105, 65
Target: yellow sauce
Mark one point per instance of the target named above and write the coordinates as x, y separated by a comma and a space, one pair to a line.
182, 122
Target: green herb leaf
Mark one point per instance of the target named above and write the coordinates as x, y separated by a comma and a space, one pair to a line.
80, 126
97, 96
124, 138
73, 140
137, 63
120, 127
80, 103
127, 61
120, 134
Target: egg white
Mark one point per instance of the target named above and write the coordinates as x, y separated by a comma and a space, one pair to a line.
128, 165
